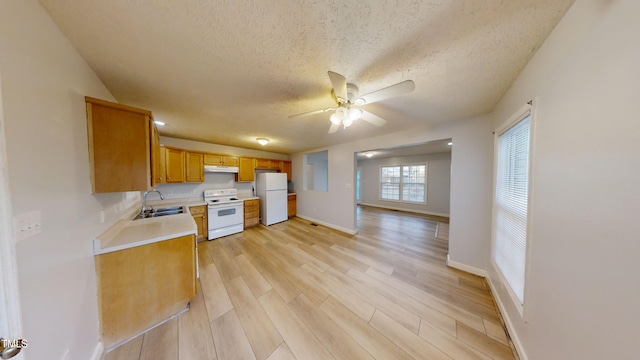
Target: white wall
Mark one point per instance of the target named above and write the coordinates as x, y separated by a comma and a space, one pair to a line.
582, 291
470, 202
44, 81
438, 182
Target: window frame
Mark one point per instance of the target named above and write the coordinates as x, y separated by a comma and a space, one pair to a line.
521, 114
401, 183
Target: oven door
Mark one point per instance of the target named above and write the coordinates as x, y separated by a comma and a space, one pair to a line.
225, 216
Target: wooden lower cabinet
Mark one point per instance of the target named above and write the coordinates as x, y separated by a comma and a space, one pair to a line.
251, 213
144, 285
291, 205
199, 214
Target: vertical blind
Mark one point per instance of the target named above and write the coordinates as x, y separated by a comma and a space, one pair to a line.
511, 200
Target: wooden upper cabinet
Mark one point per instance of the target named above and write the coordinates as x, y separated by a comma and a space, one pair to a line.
121, 145
267, 164
231, 160
157, 169
194, 167
174, 162
285, 167
214, 159
246, 169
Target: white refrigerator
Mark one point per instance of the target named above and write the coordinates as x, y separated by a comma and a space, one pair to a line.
271, 188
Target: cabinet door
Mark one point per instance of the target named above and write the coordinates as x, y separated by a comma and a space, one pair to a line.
285, 167
199, 214
194, 167
291, 205
246, 171
119, 147
263, 163
174, 162
230, 160
212, 159
156, 161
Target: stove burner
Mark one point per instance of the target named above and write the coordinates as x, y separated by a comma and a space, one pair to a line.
215, 200
234, 198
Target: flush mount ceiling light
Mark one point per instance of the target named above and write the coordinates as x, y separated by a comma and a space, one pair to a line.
262, 141
450, 143
368, 155
159, 123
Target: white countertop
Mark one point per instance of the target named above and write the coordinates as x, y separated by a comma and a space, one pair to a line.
131, 233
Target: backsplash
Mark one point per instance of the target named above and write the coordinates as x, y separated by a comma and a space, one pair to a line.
211, 181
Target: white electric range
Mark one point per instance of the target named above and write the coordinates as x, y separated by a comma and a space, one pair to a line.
225, 212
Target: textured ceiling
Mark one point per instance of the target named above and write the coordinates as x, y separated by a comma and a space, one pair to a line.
432, 147
227, 72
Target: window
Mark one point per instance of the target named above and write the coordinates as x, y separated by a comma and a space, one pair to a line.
511, 201
410, 187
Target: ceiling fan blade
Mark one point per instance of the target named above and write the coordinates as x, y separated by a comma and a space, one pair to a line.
339, 84
398, 89
311, 112
373, 119
333, 128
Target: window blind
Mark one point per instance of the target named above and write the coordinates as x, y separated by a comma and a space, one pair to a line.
511, 200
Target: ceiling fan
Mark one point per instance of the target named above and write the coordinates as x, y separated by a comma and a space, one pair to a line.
348, 109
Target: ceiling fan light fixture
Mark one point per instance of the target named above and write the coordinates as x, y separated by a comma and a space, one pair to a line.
360, 101
354, 114
334, 119
262, 141
347, 122
342, 113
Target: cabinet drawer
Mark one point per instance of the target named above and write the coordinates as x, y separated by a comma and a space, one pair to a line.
251, 203
250, 208
252, 214
196, 210
250, 222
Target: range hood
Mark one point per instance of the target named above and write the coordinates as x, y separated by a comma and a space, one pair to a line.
220, 169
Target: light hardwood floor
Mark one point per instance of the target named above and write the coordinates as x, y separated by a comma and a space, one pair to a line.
295, 290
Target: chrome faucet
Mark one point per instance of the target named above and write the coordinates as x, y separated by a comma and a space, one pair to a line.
144, 201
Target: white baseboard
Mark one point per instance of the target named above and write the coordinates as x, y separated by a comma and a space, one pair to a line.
345, 230
467, 268
407, 210
97, 352
507, 321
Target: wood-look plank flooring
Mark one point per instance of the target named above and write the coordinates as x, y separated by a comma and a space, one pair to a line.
295, 290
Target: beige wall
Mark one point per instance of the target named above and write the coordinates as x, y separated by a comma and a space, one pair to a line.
582, 293
44, 81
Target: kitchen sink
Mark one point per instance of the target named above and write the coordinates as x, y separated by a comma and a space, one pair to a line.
174, 210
